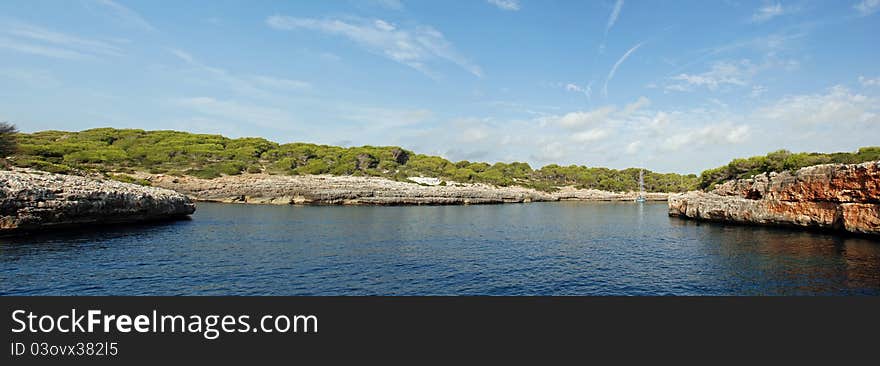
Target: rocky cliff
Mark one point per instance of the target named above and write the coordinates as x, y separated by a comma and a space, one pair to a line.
351, 190
833, 196
31, 200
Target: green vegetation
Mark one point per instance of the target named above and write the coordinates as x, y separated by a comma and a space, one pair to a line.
114, 151
128, 179
781, 160
7, 141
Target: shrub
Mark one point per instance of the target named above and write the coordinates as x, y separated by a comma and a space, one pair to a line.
8, 143
129, 179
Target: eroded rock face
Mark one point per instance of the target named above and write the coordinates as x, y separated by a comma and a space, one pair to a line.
832, 196
31, 200
351, 190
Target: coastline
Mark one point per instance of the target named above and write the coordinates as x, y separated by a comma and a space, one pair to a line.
352, 190
33, 200
829, 197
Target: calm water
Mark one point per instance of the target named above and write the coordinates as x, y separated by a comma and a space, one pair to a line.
517, 249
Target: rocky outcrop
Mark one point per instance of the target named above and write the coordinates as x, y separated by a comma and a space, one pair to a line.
32, 200
842, 197
352, 190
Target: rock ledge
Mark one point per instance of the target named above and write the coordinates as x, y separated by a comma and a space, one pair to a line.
842, 197
32, 200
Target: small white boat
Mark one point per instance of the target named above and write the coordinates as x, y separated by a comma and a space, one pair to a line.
641, 196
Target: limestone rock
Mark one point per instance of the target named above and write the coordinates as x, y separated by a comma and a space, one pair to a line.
31, 200
352, 190
831, 196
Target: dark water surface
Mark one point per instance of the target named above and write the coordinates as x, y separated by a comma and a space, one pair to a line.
565, 248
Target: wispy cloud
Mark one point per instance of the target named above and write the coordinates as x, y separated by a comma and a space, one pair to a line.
617, 65
839, 107
729, 73
771, 44
27, 38
612, 19
590, 135
615, 13
581, 119
585, 90
416, 47
234, 111
722, 73
281, 83
767, 12
389, 4
867, 7
511, 5
125, 16
31, 77
719, 133
384, 118
39, 50
868, 81
252, 85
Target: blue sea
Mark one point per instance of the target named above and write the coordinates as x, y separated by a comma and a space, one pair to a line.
558, 248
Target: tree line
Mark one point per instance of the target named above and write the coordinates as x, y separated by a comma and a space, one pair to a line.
116, 152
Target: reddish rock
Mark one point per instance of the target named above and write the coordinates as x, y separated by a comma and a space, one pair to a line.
832, 196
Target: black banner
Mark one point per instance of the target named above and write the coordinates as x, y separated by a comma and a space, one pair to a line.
328, 329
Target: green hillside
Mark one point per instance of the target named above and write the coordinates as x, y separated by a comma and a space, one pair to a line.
782, 160
117, 152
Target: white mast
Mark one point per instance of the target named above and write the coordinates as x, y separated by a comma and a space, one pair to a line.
641, 196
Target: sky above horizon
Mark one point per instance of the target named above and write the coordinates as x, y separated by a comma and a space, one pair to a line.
678, 86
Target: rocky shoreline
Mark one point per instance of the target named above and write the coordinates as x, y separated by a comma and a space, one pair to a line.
833, 197
352, 190
33, 200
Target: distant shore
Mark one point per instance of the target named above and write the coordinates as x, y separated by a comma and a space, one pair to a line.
353, 190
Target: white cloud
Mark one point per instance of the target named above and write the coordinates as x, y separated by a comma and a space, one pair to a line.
615, 13
633, 147
586, 90
125, 15
27, 38
839, 106
386, 117
415, 47
40, 50
734, 73
659, 122
30, 77
551, 152
239, 112
581, 118
389, 4
867, 7
616, 65
757, 91
254, 86
868, 81
722, 133
767, 12
281, 83
635, 106
590, 135
183, 55
574, 88
511, 5
474, 134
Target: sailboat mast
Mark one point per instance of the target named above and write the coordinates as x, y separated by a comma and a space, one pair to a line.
642, 182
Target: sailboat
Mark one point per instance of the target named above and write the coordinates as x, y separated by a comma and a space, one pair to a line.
641, 196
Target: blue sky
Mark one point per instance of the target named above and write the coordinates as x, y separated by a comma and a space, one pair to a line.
671, 86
